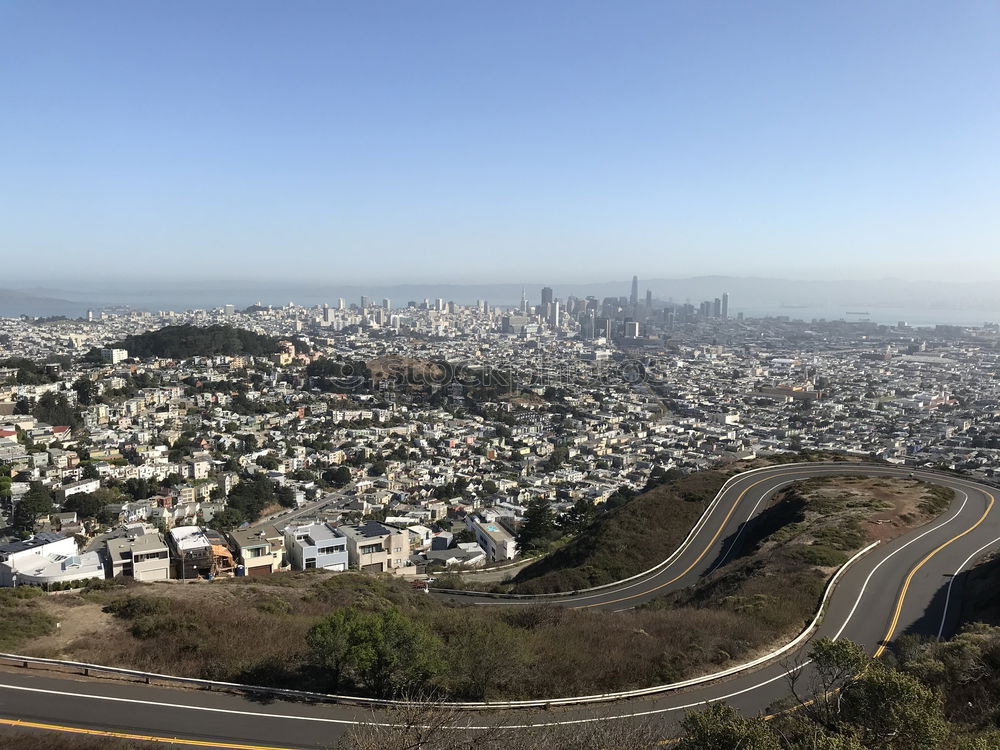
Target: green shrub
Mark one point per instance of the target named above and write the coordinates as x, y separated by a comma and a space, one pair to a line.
21, 619
821, 555
133, 607
274, 606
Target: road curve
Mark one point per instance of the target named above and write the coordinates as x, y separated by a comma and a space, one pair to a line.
905, 585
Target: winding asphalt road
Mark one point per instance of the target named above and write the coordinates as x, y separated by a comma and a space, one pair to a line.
902, 586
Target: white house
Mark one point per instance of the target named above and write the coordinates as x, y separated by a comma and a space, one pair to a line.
47, 558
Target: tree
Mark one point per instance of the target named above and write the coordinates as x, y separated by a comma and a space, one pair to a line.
557, 458
5, 481
330, 642
268, 462
386, 651
893, 711
86, 391
285, 496
392, 654
577, 517
465, 536
54, 409
538, 526
248, 499
37, 501
228, 519
856, 696
338, 477
836, 665
84, 504
722, 727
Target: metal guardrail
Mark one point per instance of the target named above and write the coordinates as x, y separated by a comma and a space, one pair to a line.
149, 677
698, 526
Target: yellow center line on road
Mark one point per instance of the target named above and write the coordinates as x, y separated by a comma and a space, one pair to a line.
707, 548
902, 597
909, 578
134, 737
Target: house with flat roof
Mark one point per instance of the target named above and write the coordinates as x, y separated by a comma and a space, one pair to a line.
47, 558
190, 552
378, 548
139, 555
316, 545
495, 540
260, 551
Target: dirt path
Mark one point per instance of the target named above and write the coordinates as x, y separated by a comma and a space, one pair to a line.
77, 621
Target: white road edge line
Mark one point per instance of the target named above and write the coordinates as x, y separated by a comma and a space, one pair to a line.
947, 599
358, 722
743, 526
892, 554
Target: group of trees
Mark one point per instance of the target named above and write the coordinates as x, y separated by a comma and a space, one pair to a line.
338, 477
87, 391
944, 695
332, 376
53, 408
183, 341
36, 502
29, 372
850, 702
248, 499
92, 504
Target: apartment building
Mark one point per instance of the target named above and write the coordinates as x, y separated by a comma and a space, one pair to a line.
496, 541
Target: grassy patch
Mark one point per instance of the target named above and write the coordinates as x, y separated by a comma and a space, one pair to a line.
21, 616
626, 540
777, 576
936, 499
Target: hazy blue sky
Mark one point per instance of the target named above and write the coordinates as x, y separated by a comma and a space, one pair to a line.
498, 141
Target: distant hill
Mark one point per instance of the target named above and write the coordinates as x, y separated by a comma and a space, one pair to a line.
183, 341
15, 302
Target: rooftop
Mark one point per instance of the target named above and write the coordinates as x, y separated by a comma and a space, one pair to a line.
39, 540
123, 548
189, 538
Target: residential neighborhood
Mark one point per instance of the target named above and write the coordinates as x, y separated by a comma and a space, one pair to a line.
404, 440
